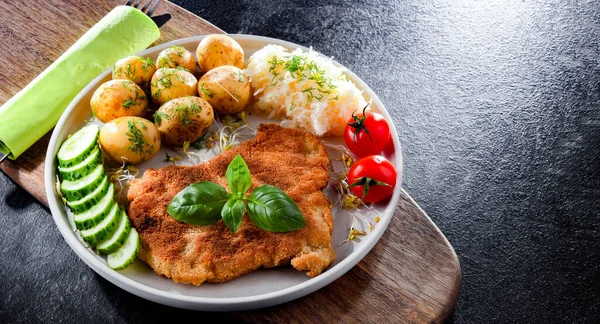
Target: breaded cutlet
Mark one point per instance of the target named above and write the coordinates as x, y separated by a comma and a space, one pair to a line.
291, 159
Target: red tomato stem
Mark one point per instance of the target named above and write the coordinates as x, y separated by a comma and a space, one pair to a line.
367, 182
359, 124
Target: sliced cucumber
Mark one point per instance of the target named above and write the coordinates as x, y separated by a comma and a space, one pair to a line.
105, 228
78, 146
83, 168
75, 190
85, 203
96, 214
118, 237
125, 255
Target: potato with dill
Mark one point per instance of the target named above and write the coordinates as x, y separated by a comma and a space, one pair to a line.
171, 83
176, 56
218, 50
118, 98
129, 139
226, 88
183, 119
135, 68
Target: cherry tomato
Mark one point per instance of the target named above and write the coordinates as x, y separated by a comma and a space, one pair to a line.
372, 178
367, 133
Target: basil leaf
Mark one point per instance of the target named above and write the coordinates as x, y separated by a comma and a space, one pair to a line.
273, 210
238, 177
232, 213
199, 203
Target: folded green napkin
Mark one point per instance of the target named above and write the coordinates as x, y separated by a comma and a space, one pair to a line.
33, 111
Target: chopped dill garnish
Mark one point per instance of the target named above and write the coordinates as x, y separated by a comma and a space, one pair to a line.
275, 63
295, 65
274, 80
194, 107
159, 116
130, 72
147, 63
157, 92
124, 84
182, 115
165, 61
178, 50
117, 70
165, 81
127, 103
179, 78
301, 68
207, 91
138, 142
182, 112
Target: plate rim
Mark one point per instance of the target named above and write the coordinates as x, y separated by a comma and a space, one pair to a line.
211, 303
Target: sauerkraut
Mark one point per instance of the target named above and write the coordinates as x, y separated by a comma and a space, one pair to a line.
303, 88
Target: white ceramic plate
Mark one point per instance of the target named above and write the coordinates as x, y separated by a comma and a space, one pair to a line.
261, 288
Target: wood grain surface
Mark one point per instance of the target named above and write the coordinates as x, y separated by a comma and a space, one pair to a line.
412, 275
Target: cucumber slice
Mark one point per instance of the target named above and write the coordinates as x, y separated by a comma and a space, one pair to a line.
105, 228
118, 237
85, 203
78, 189
125, 256
77, 147
96, 214
83, 168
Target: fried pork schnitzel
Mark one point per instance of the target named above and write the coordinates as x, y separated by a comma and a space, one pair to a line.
291, 159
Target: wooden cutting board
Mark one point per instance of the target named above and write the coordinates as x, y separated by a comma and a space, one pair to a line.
412, 275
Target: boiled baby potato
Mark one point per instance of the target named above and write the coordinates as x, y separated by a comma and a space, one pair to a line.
118, 98
175, 56
183, 119
135, 68
129, 139
226, 88
218, 50
168, 83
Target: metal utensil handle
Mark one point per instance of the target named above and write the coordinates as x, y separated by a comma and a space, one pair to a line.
3, 156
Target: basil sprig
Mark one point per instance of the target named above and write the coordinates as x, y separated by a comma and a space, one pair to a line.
206, 202
199, 204
270, 208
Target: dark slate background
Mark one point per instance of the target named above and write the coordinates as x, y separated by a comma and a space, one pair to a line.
497, 107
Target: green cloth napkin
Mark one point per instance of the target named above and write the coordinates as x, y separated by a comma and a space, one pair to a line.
33, 111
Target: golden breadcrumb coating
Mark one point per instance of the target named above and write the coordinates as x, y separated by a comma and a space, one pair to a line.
291, 159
